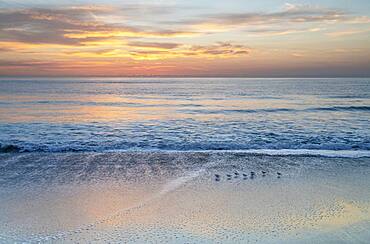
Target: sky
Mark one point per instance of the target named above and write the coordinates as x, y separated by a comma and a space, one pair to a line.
233, 38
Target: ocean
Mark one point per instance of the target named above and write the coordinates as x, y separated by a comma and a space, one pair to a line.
184, 114
200, 160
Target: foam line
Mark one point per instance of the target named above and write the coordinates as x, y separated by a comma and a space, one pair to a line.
273, 152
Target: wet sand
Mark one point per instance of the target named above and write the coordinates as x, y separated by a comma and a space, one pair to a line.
183, 197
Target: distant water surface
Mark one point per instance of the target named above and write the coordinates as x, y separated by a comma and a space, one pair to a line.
99, 114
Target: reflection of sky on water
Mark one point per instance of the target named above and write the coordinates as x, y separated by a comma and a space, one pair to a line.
138, 197
185, 114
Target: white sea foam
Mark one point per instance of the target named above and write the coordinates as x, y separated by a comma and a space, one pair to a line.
309, 152
274, 152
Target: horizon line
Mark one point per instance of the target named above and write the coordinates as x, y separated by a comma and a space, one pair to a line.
183, 76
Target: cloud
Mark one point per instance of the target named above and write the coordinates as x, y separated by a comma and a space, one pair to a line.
93, 24
161, 51
25, 63
221, 48
290, 15
293, 14
118, 32
6, 49
71, 26
45, 25
347, 32
280, 31
155, 45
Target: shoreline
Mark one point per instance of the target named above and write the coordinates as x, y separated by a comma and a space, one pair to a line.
251, 152
193, 197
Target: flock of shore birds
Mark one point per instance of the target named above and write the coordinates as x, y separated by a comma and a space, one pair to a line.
244, 176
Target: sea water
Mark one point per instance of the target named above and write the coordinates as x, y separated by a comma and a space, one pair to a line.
186, 114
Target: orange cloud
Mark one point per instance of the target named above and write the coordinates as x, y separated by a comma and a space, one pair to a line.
161, 51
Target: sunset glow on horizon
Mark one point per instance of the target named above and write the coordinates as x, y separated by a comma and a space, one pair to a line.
185, 38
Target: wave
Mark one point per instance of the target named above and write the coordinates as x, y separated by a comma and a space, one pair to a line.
268, 152
341, 108
279, 152
277, 110
10, 149
93, 104
310, 152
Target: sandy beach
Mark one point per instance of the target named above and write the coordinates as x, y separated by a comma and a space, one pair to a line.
183, 197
